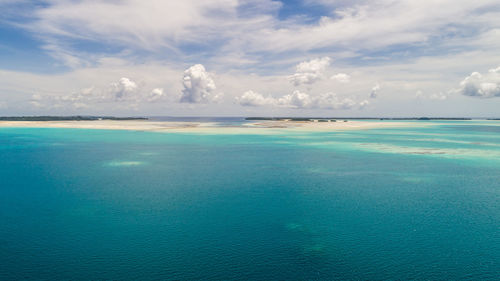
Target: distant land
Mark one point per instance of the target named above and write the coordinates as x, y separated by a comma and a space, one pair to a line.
353, 118
67, 118
297, 119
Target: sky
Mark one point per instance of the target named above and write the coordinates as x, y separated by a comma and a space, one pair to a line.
359, 58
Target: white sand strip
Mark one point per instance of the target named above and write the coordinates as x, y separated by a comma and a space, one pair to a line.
264, 127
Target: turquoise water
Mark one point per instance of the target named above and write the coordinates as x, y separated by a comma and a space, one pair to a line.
418, 203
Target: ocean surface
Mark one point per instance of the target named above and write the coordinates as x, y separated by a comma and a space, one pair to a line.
414, 203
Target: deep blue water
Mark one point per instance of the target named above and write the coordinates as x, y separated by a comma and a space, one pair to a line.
418, 203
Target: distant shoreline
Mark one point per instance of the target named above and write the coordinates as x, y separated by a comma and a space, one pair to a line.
67, 118
324, 119
197, 119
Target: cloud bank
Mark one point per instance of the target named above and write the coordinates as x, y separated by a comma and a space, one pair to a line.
300, 100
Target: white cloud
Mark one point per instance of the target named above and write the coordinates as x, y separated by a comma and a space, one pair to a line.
155, 95
439, 96
341, 77
145, 24
199, 86
323, 101
377, 24
308, 72
251, 98
300, 100
123, 89
65, 55
252, 26
363, 104
295, 100
37, 104
80, 105
84, 96
36, 97
331, 101
374, 92
36, 101
400, 81
482, 86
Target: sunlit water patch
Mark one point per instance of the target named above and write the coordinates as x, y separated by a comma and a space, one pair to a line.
124, 163
435, 151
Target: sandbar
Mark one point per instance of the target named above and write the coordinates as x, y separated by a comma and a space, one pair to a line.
261, 127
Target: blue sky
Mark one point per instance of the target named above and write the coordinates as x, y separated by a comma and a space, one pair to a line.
250, 57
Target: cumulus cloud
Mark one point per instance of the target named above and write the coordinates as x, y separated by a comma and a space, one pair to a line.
36, 101
363, 104
323, 101
199, 86
84, 95
76, 100
296, 100
481, 85
341, 77
36, 97
300, 100
251, 98
37, 104
438, 96
419, 94
308, 72
123, 89
155, 95
374, 92
331, 101
433, 96
80, 105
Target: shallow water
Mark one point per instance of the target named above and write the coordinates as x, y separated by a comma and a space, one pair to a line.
383, 204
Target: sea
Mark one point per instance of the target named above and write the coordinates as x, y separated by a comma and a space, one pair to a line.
417, 202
